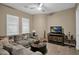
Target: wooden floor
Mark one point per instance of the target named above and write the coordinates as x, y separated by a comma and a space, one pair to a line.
54, 49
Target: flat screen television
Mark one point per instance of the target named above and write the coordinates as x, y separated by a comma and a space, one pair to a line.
56, 29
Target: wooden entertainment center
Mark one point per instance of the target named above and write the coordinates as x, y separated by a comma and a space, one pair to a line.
61, 40
56, 38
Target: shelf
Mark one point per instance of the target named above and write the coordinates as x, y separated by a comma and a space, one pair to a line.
69, 44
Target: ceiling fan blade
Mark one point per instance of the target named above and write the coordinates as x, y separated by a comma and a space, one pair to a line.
44, 9
41, 4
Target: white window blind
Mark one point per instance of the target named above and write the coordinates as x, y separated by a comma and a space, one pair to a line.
12, 25
25, 25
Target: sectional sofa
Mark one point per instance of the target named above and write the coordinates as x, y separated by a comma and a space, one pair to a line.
17, 45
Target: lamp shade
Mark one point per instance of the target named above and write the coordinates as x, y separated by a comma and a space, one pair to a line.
33, 31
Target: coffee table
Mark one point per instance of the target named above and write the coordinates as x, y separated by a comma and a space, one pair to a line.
41, 47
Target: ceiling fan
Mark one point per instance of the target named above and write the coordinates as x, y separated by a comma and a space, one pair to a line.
37, 6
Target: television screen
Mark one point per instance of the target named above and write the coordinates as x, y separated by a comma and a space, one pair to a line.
56, 29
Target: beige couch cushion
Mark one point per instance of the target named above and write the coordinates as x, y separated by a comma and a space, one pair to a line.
23, 42
1, 45
25, 51
3, 52
22, 52
17, 49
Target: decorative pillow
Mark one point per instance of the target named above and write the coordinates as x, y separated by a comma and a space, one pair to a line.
18, 38
11, 41
28, 35
23, 42
25, 37
5, 41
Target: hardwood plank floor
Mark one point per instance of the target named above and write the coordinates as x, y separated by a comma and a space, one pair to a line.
54, 49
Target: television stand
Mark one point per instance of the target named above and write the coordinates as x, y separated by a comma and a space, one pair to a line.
56, 38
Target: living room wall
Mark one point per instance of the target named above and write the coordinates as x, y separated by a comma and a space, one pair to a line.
4, 10
39, 24
65, 18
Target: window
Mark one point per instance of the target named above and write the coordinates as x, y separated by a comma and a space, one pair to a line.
25, 25
12, 25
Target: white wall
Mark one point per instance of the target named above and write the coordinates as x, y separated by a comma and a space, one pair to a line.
77, 28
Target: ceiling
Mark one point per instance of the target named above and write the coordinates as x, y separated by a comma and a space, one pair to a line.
47, 8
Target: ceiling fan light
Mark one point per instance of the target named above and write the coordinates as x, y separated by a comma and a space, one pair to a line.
39, 8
